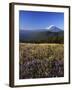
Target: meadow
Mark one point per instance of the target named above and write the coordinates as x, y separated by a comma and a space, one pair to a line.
41, 60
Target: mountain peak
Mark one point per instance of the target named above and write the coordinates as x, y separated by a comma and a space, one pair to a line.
53, 28
50, 26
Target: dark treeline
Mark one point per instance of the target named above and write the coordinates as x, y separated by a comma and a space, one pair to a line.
55, 39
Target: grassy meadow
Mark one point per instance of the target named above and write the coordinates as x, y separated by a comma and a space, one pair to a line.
41, 60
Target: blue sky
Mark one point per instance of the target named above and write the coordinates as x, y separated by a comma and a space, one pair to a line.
32, 20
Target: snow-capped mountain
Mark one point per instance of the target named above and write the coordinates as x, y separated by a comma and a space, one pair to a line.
53, 28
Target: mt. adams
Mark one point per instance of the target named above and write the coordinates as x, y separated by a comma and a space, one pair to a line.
53, 28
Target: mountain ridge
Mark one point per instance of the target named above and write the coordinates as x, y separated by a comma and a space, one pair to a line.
40, 35
51, 28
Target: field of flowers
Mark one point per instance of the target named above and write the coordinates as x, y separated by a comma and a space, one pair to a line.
41, 60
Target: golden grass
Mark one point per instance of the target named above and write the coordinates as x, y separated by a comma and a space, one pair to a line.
29, 51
